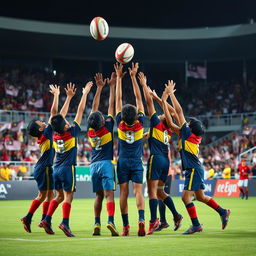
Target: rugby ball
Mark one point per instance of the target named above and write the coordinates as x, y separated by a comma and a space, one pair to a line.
124, 53
99, 28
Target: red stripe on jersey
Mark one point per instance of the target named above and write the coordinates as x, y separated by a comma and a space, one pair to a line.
64, 136
42, 139
160, 126
194, 139
101, 132
135, 127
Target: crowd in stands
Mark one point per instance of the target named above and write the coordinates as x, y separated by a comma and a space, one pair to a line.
27, 90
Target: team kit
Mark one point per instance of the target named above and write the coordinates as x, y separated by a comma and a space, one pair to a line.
56, 171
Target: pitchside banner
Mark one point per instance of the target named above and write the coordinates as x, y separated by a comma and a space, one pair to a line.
227, 188
209, 187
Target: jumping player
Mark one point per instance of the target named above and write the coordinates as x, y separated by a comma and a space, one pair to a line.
100, 134
65, 142
243, 171
130, 133
43, 168
158, 163
190, 138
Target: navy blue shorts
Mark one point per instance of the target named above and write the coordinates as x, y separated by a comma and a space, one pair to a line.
103, 176
194, 179
65, 178
158, 168
43, 177
130, 169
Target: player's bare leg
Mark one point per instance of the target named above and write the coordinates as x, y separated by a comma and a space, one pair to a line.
137, 191
109, 195
224, 213
46, 222
97, 211
153, 202
167, 200
242, 192
246, 192
124, 192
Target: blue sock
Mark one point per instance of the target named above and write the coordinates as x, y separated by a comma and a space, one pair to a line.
111, 219
29, 216
65, 221
162, 209
43, 216
153, 209
125, 219
97, 220
141, 215
169, 203
48, 218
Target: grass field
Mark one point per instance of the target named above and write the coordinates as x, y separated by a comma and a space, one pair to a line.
238, 239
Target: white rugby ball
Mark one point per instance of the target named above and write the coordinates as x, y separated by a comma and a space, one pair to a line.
124, 53
99, 28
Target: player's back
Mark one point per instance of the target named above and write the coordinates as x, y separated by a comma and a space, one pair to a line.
130, 137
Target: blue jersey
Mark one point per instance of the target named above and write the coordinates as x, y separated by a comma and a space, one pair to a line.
189, 148
65, 145
159, 136
102, 141
46, 147
130, 137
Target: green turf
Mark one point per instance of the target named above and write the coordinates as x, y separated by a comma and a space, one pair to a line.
238, 239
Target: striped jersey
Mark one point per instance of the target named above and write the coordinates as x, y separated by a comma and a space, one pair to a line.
45, 142
65, 145
189, 147
130, 137
102, 141
159, 136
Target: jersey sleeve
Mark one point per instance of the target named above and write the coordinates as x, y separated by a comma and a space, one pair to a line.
118, 118
154, 120
75, 129
48, 132
185, 131
109, 123
141, 117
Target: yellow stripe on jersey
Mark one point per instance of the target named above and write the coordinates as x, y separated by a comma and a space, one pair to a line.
179, 144
130, 136
160, 135
45, 146
65, 145
103, 140
73, 178
191, 179
191, 147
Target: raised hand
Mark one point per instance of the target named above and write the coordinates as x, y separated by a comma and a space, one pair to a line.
170, 87
112, 80
87, 87
119, 70
142, 79
54, 89
70, 90
165, 95
133, 71
99, 80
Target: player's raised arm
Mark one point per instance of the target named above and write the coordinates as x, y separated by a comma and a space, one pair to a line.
112, 83
170, 89
70, 92
100, 84
133, 71
148, 98
167, 114
81, 106
55, 90
154, 95
119, 76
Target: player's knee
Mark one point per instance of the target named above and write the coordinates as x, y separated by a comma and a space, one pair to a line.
41, 196
161, 195
109, 195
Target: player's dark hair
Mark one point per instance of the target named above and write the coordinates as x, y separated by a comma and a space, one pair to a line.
129, 114
196, 126
33, 129
58, 123
95, 120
